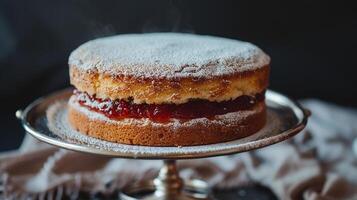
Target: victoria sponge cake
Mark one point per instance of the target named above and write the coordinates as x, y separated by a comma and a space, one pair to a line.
168, 89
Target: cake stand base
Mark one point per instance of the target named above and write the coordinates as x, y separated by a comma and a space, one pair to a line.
167, 186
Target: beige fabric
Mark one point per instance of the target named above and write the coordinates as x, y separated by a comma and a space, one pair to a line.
317, 164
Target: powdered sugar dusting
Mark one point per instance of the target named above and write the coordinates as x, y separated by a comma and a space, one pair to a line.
103, 105
167, 55
59, 125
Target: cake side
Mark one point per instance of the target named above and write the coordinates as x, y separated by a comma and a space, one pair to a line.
154, 90
223, 128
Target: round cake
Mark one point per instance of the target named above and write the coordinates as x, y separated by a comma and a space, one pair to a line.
168, 89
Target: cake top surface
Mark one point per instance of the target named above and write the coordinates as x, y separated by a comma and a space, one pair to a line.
168, 55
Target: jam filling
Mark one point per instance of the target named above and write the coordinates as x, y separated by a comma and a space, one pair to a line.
120, 109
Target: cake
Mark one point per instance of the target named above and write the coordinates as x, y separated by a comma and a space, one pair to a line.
168, 89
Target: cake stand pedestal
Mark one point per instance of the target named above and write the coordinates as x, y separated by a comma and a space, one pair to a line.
167, 185
285, 119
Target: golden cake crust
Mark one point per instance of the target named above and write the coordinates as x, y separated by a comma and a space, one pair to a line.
161, 90
144, 132
168, 68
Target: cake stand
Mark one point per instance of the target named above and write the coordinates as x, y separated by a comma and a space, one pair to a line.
285, 119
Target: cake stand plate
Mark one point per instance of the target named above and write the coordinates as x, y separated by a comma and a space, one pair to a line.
285, 119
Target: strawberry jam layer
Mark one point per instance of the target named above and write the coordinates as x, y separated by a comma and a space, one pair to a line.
120, 109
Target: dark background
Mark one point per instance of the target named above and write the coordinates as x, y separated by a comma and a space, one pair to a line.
312, 43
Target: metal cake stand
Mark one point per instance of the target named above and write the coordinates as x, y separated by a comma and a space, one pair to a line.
288, 117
